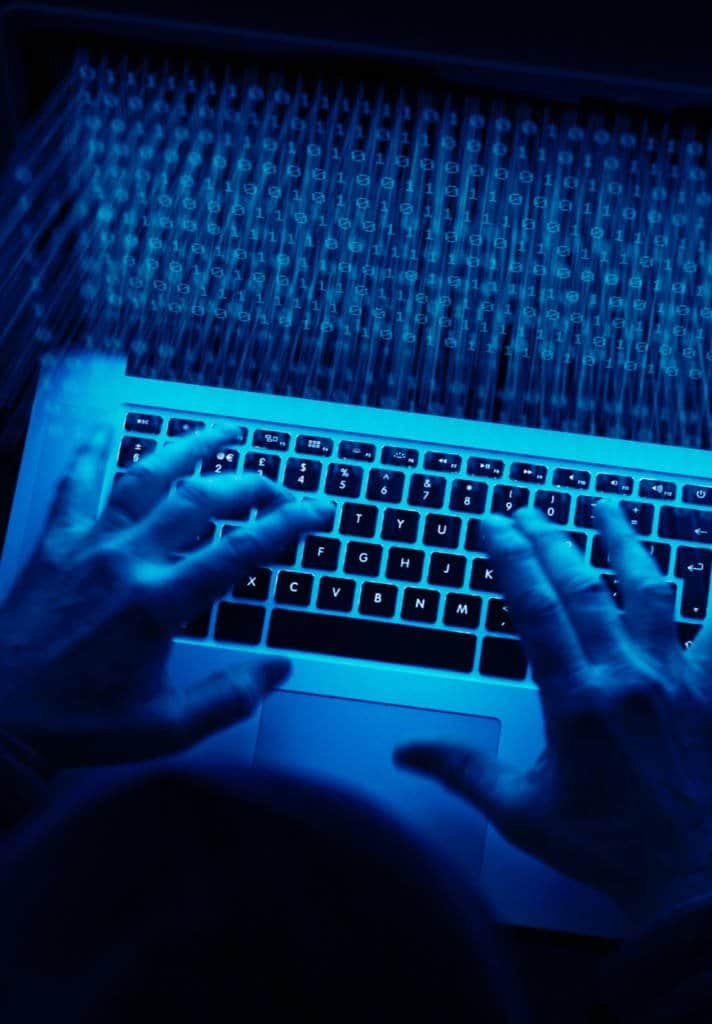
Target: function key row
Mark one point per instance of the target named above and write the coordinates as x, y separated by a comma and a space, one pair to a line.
436, 461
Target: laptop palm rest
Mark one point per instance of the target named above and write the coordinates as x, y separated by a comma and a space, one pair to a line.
351, 743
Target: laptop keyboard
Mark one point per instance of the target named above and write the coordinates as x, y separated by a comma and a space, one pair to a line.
401, 577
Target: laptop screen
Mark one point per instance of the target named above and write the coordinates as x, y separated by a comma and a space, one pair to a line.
380, 232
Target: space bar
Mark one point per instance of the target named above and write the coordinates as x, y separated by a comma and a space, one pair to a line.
370, 639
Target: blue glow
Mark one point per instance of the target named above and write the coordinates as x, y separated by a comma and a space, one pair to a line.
482, 260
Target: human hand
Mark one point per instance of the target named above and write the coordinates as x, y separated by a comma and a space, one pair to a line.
621, 797
86, 629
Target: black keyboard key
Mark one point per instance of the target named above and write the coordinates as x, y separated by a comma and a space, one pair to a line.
178, 427
308, 444
405, 564
266, 465
657, 489
358, 450
660, 552
420, 605
614, 587
468, 496
446, 570
528, 472
392, 456
239, 623
133, 449
400, 524
506, 500
639, 514
302, 474
693, 563
462, 610
577, 479
472, 536
378, 599
694, 598
293, 587
694, 567
442, 462
584, 512
576, 539
697, 494
358, 520
275, 440
554, 504
498, 619
503, 657
482, 576
254, 584
391, 642
336, 594
686, 524
442, 531
599, 554
477, 466
385, 485
143, 422
344, 480
363, 559
686, 632
426, 490
219, 463
321, 553
613, 483
196, 628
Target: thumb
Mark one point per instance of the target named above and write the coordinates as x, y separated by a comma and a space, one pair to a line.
228, 696
485, 782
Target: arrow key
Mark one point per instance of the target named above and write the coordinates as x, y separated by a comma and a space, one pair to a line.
693, 563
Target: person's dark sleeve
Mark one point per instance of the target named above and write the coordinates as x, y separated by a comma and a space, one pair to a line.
664, 974
24, 782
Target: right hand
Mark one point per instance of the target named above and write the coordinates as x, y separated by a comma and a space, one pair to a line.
621, 796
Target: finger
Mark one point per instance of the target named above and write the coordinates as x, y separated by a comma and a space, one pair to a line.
648, 598
590, 608
143, 486
542, 623
501, 792
76, 499
200, 578
180, 516
225, 697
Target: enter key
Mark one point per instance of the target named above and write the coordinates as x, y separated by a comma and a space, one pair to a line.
693, 566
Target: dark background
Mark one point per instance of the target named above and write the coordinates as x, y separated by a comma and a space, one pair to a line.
657, 40
670, 43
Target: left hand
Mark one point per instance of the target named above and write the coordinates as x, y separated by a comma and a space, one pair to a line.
86, 629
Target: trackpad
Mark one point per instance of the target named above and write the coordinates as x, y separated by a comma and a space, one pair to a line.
352, 741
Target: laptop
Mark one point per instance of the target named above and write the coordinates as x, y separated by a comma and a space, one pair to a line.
423, 288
